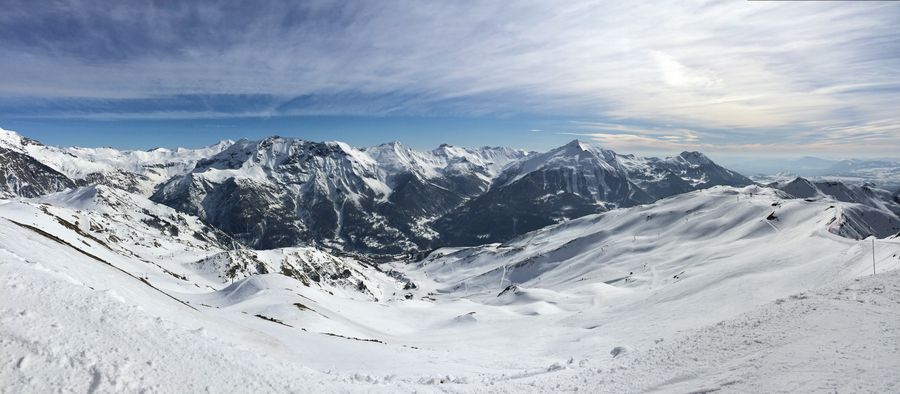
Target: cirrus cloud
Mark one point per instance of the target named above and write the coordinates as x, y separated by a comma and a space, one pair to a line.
819, 75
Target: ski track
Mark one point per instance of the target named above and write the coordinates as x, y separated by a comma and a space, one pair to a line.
843, 338
601, 304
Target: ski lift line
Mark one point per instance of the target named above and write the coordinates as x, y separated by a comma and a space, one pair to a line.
873, 255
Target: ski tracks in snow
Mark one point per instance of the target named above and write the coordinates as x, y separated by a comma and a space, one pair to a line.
845, 338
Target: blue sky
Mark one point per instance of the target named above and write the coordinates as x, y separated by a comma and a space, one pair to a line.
723, 77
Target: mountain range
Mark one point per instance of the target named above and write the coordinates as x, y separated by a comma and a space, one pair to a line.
386, 199
883, 173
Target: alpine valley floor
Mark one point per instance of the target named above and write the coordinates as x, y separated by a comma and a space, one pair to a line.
722, 289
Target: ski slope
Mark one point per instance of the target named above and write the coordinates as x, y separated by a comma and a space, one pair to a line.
709, 290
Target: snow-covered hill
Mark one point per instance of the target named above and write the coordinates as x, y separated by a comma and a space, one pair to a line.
876, 211
840, 338
161, 245
609, 302
713, 239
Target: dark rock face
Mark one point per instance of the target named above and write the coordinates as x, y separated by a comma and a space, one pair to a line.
284, 192
280, 192
22, 175
527, 204
120, 179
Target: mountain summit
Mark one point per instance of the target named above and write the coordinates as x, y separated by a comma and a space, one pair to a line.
574, 180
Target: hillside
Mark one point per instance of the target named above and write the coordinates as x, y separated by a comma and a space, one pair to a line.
548, 308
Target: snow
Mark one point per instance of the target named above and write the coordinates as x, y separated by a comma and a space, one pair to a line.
96, 339
445, 159
875, 212
840, 338
701, 291
375, 166
573, 155
157, 165
724, 289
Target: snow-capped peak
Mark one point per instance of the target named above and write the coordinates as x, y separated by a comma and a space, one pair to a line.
11, 140
577, 145
574, 155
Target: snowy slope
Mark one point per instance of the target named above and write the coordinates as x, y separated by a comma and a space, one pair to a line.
70, 322
739, 247
156, 242
840, 338
637, 282
111, 291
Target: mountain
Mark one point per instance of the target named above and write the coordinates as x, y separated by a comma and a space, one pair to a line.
283, 191
132, 170
799, 188
429, 184
669, 176
876, 211
852, 166
811, 163
571, 181
22, 175
883, 173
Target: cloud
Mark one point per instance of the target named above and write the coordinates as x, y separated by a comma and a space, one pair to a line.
877, 138
752, 71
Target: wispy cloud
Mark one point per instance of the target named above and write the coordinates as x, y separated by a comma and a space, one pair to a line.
877, 138
749, 74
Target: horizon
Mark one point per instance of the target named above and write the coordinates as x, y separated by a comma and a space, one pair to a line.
756, 79
725, 159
